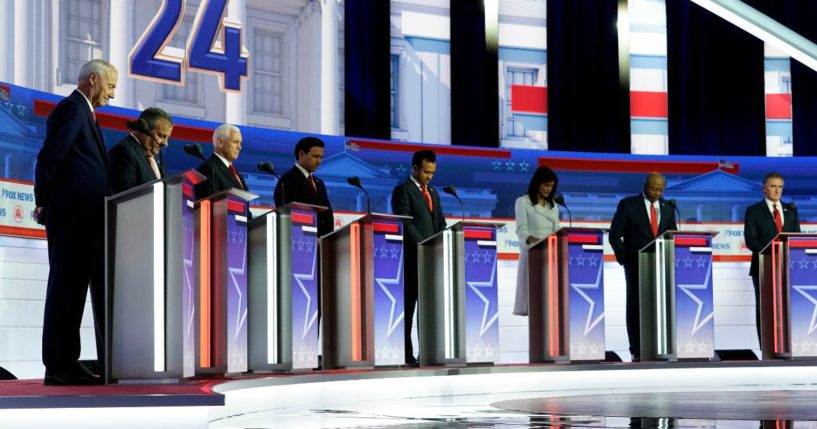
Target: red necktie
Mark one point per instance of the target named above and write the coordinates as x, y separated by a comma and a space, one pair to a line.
237, 177
653, 220
778, 222
312, 183
427, 197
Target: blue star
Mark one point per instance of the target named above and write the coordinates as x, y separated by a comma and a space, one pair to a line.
395, 252
700, 320
509, 165
580, 260
688, 262
497, 164
803, 263
701, 262
487, 320
590, 322
488, 257
593, 261
523, 166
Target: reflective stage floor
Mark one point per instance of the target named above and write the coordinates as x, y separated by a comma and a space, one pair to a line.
680, 395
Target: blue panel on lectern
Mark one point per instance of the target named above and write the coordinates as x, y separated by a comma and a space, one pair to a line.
803, 296
236, 286
586, 295
389, 344
481, 303
188, 282
694, 325
304, 290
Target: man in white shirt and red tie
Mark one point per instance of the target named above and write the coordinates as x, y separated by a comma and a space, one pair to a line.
134, 160
414, 197
300, 184
763, 221
220, 167
638, 221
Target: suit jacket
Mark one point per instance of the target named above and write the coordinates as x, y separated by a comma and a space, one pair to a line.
759, 228
130, 167
219, 178
293, 187
630, 230
71, 177
407, 199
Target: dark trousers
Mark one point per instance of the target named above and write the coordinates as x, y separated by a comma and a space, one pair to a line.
756, 284
409, 295
76, 260
633, 306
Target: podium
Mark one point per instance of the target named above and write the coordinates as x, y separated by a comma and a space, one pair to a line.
283, 289
788, 297
149, 288
675, 296
362, 293
566, 296
457, 294
221, 296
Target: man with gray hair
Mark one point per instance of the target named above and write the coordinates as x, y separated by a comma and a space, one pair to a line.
219, 168
70, 186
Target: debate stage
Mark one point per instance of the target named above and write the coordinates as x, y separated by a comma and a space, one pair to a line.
738, 394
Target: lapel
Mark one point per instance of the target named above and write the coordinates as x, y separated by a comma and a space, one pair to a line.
95, 130
140, 155
226, 174
644, 215
418, 194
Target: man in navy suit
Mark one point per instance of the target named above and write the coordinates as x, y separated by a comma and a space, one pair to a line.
763, 221
638, 221
300, 184
133, 159
220, 168
71, 183
416, 199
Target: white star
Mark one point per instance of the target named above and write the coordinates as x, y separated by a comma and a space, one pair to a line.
523, 166
590, 323
509, 165
802, 290
309, 320
496, 164
580, 260
20, 109
240, 313
803, 263
384, 285
699, 323
475, 286
687, 262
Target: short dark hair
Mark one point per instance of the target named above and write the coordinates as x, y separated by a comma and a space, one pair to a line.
153, 114
306, 144
772, 175
542, 174
421, 155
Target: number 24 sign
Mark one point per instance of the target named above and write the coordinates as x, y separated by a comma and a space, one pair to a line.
226, 58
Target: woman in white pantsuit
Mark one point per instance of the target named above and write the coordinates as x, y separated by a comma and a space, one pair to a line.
537, 216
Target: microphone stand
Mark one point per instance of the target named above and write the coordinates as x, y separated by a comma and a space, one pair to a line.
674, 205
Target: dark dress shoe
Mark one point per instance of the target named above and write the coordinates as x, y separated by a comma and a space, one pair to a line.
61, 378
411, 362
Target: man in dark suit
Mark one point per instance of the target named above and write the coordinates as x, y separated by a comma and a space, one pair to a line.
763, 221
219, 168
638, 221
300, 184
71, 183
416, 199
133, 159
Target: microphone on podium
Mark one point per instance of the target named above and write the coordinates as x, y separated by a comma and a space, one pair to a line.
194, 150
451, 190
674, 204
267, 167
355, 181
560, 200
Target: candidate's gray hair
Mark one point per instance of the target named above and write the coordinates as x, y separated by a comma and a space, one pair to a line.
98, 67
223, 132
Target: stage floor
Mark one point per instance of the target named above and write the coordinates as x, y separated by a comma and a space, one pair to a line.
649, 395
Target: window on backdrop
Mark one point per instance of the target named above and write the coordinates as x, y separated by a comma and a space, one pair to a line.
83, 36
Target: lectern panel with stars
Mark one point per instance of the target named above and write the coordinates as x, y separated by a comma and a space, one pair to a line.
188, 280
803, 296
304, 290
694, 325
481, 303
236, 285
388, 292
586, 295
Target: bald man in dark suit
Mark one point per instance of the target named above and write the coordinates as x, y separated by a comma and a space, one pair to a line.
638, 221
70, 186
416, 199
